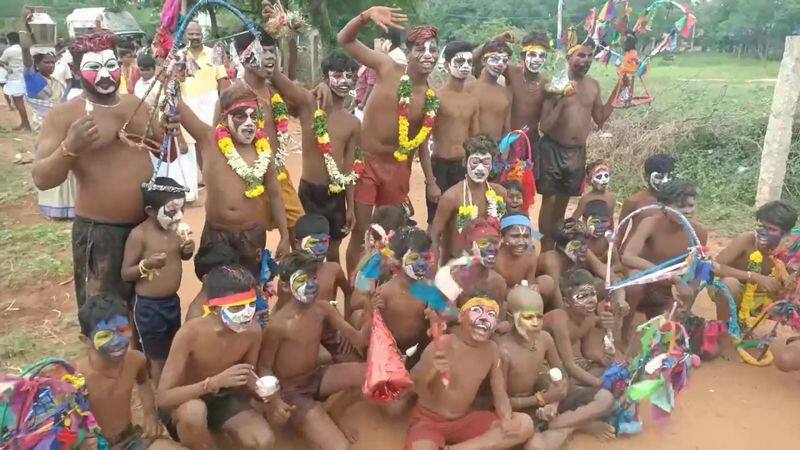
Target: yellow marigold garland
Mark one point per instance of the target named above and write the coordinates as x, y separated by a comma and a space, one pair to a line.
429, 111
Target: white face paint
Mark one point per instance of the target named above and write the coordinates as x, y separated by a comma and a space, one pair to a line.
478, 167
657, 179
242, 124
238, 318
426, 54
170, 215
461, 65
600, 179
496, 64
534, 60
341, 82
101, 71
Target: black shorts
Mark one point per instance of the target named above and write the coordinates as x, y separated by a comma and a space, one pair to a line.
317, 200
97, 251
220, 408
448, 173
249, 244
157, 320
559, 170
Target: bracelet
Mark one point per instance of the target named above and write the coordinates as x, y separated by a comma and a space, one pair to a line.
540, 398
66, 153
144, 272
206, 384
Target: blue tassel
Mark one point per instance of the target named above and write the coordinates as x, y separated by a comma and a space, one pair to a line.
372, 269
507, 141
431, 295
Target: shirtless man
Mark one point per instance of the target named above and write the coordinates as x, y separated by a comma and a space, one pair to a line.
290, 350
523, 352
561, 152
494, 113
235, 210
111, 371
599, 177
474, 192
208, 378
81, 136
456, 121
516, 259
385, 180
318, 191
658, 169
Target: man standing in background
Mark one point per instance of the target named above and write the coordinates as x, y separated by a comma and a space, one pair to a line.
11, 60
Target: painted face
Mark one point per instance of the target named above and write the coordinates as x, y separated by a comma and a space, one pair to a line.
768, 237
518, 239
461, 65
576, 250
581, 61
534, 60
657, 179
687, 207
479, 165
528, 320
486, 249
584, 299
316, 244
170, 215
417, 265
238, 318
341, 82
426, 54
600, 178
496, 64
111, 337
304, 287
101, 71
242, 123
514, 200
482, 320
598, 225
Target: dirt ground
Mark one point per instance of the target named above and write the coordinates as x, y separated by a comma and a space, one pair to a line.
726, 404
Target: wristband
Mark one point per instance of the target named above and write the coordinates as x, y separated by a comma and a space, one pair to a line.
540, 398
207, 385
144, 272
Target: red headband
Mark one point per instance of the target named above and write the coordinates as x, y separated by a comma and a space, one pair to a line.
482, 228
244, 103
418, 35
94, 42
233, 299
598, 168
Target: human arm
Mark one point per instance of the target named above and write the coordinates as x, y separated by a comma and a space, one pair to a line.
349, 159
25, 44
634, 247
148, 398
474, 122
383, 17
273, 187
347, 291
193, 125
602, 111
59, 146
579, 208
724, 265
547, 267
132, 255
497, 380
551, 113
432, 191
293, 93
359, 338
560, 330
222, 78
444, 212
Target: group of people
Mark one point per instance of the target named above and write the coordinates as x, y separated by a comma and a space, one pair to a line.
539, 326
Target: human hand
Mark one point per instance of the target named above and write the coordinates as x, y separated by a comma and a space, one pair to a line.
322, 93
345, 347
280, 410
234, 376
623, 308
377, 301
25, 40
156, 260
386, 17
81, 134
187, 247
606, 315
171, 122
767, 283
511, 426
432, 191
283, 247
547, 412
151, 426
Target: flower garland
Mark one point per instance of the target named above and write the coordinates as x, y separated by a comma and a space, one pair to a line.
253, 177
495, 207
280, 115
338, 181
428, 120
753, 301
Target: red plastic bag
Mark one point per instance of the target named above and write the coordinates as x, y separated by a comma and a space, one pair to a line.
387, 378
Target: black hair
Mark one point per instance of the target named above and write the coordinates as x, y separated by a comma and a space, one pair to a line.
234, 93
157, 198
409, 238
214, 255
395, 37
338, 61
596, 208
456, 47
124, 48
311, 224
498, 47
570, 230
575, 278
536, 37
592, 164
100, 307
481, 143
297, 260
245, 38
675, 191
660, 163
146, 61
227, 280
13, 37
37, 58
513, 185
779, 214
390, 217
630, 41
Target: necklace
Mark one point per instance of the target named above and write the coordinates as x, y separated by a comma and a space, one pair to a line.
89, 102
338, 181
495, 206
253, 177
429, 110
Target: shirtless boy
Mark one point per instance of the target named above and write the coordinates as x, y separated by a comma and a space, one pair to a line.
235, 210
81, 136
290, 350
207, 381
154, 252
561, 152
658, 169
482, 239
514, 197
516, 259
599, 177
599, 221
456, 121
111, 371
385, 180
207, 258
443, 417
523, 353
471, 194
318, 190
494, 99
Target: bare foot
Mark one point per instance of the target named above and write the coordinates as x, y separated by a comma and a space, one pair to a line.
598, 429
549, 440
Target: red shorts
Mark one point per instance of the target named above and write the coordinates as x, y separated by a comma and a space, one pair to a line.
385, 181
429, 426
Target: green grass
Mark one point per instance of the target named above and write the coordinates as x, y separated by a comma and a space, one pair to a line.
25, 345
16, 183
31, 255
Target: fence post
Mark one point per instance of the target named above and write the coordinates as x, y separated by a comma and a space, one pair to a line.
777, 140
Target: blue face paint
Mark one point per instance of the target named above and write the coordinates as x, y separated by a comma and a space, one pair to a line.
316, 244
112, 337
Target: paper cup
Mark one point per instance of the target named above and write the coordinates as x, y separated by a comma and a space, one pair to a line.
266, 386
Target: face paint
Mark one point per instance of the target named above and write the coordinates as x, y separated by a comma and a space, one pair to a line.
341, 82
316, 244
111, 337
170, 215
584, 298
496, 64
486, 249
518, 239
581, 60
461, 65
426, 54
417, 265
534, 60
304, 287
479, 166
687, 207
482, 320
528, 320
238, 318
242, 123
575, 250
768, 237
101, 71
658, 178
598, 225
600, 178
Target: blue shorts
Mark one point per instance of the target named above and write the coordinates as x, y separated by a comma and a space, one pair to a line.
157, 320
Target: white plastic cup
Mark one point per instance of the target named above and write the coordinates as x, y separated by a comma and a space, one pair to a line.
267, 386
555, 374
